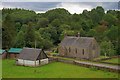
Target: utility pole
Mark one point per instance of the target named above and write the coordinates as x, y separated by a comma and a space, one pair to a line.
35, 52
35, 44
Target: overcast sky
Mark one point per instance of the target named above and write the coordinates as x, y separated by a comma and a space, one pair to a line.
72, 7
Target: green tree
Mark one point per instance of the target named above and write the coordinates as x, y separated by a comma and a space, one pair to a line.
42, 23
75, 26
30, 36
24, 27
18, 26
85, 26
20, 41
111, 19
107, 48
86, 14
59, 13
38, 40
8, 32
23, 16
48, 45
97, 14
65, 27
55, 23
113, 35
92, 33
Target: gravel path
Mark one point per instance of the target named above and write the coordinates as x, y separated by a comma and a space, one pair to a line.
116, 67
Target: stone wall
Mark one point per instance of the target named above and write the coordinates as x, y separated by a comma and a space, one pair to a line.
89, 65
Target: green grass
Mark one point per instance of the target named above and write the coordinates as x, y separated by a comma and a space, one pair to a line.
54, 53
0, 68
113, 60
101, 57
104, 57
53, 70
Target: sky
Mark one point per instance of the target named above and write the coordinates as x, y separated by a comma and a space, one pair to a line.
72, 7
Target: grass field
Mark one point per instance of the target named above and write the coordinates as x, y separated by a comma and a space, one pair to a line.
53, 70
114, 60
0, 67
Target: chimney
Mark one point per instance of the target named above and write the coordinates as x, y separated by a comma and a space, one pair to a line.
78, 34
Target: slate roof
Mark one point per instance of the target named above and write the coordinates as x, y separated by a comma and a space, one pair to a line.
15, 50
82, 42
29, 54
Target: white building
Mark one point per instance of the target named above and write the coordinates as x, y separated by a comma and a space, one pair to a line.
32, 57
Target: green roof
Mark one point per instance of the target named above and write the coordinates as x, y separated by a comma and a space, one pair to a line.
15, 50
1, 51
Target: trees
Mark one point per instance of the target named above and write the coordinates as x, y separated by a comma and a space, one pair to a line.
48, 29
97, 14
20, 41
92, 33
113, 35
86, 14
29, 36
42, 23
23, 16
8, 32
55, 23
111, 19
41, 42
85, 26
107, 48
18, 26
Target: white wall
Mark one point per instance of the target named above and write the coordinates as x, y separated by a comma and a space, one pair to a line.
20, 61
44, 61
32, 63
28, 62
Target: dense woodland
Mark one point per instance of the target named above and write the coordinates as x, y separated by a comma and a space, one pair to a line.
24, 28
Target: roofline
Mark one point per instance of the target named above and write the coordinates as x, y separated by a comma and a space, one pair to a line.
32, 48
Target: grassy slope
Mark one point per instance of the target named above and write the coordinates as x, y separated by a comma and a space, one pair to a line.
52, 70
114, 60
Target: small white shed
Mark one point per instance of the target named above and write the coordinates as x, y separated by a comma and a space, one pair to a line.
32, 57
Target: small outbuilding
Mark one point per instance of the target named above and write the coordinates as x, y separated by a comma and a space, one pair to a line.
79, 47
13, 53
32, 57
3, 54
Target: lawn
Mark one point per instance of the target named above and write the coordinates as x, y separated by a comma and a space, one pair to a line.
53, 70
113, 60
101, 57
0, 68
